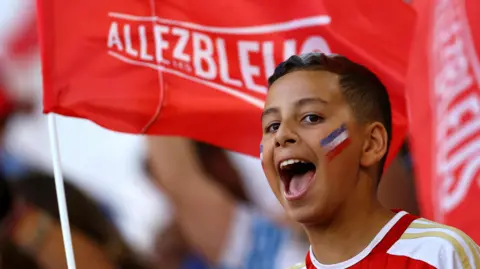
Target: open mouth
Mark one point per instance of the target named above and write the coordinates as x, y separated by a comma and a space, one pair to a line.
296, 176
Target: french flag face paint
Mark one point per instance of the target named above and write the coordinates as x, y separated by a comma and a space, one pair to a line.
261, 156
261, 152
335, 142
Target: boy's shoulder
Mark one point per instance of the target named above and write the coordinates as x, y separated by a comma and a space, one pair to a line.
426, 242
437, 244
428, 232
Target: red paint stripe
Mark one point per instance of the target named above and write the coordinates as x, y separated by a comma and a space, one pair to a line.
338, 149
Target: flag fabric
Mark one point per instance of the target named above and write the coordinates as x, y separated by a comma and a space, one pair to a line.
198, 69
444, 106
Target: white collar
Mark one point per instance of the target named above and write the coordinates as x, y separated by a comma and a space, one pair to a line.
360, 256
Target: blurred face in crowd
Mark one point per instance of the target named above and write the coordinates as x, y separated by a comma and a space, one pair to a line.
302, 108
41, 237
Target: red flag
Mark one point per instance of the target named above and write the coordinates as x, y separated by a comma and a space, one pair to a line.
199, 68
444, 97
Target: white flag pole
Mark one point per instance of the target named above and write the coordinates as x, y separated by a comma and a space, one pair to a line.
60, 189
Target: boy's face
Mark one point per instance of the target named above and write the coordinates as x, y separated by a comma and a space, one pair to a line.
302, 108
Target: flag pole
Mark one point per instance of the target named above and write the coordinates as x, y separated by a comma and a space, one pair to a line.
60, 189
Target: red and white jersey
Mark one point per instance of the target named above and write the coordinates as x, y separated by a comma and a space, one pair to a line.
407, 241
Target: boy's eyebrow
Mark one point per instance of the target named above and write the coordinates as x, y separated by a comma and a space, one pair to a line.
269, 111
305, 101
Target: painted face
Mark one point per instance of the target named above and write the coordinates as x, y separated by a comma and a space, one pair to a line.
311, 144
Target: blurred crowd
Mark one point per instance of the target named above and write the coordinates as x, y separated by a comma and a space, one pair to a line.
134, 202
221, 210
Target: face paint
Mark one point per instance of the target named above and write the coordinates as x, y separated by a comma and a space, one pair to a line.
261, 156
261, 152
335, 142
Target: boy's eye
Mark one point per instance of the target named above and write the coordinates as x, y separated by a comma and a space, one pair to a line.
312, 118
272, 127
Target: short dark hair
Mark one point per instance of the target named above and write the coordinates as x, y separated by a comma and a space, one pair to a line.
363, 90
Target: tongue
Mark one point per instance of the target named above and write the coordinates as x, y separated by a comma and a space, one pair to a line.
299, 183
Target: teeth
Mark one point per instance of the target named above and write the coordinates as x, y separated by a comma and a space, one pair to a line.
289, 162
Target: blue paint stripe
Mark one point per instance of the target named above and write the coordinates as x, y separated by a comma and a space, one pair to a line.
333, 135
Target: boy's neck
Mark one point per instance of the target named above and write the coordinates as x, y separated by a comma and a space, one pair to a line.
352, 228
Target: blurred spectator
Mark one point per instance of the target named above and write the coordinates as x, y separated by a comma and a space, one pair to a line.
104, 164
11, 257
216, 221
172, 249
5, 199
10, 167
34, 228
14, 258
255, 183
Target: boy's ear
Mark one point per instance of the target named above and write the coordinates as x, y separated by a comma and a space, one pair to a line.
375, 144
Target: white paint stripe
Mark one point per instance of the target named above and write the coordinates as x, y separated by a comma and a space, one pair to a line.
258, 29
337, 141
241, 95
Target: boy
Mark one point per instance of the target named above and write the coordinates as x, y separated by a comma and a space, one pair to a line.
326, 133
